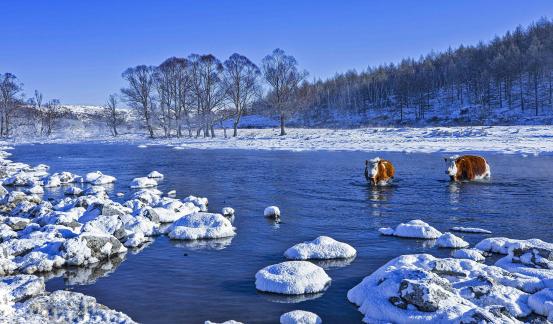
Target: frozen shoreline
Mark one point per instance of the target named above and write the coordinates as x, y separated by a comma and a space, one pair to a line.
499, 139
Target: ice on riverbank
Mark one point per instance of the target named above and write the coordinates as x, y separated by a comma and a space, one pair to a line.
470, 254
143, 182
292, 278
323, 247
412, 229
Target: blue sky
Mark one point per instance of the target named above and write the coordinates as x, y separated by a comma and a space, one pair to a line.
76, 50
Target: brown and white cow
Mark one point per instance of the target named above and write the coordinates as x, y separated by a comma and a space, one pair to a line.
467, 168
379, 171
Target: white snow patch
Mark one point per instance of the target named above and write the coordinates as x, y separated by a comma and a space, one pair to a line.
323, 247
413, 229
300, 317
201, 226
292, 278
470, 230
448, 240
272, 211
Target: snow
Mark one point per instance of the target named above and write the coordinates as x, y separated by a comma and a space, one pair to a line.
471, 254
501, 245
421, 288
323, 247
542, 302
292, 278
155, 175
201, 225
227, 211
272, 211
143, 182
300, 317
470, 230
413, 229
97, 178
448, 240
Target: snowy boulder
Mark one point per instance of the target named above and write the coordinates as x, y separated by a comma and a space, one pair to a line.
470, 230
292, 278
155, 175
413, 229
168, 213
542, 302
21, 287
501, 245
66, 307
90, 247
415, 288
97, 178
201, 226
300, 317
386, 231
3, 191
225, 322
199, 202
36, 190
172, 193
136, 239
272, 211
448, 240
143, 182
227, 211
471, 254
51, 182
323, 247
73, 191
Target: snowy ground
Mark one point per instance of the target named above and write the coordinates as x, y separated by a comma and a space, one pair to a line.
505, 139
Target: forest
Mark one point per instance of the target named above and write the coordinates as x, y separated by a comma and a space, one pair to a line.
511, 75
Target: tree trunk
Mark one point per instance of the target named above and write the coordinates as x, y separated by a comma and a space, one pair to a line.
282, 131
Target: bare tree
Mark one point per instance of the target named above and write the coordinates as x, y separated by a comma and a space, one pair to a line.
140, 93
208, 91
174, 86
10, 88
241, 83
38, 113
281, 73
114, 118
52, 112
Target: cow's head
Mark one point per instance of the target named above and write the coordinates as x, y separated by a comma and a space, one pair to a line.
451, 165
371, 168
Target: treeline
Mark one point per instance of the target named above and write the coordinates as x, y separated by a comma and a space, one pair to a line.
33, 113
190, 96
514, 71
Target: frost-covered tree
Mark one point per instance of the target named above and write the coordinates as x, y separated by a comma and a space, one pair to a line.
241, 84
114, 118
52, 113
140, 93
282, 74
10, 90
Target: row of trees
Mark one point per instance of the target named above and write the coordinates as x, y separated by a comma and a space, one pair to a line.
33, 112
197, 92
511, 72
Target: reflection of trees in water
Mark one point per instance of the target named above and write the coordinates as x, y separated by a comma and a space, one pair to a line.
333, 263
208, 244
86, 275
289, 299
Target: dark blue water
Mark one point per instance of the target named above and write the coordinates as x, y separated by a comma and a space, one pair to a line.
319, 193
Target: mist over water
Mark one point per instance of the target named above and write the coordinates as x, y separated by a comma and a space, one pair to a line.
319, 193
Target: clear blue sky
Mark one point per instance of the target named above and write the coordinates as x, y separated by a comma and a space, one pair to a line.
76, 50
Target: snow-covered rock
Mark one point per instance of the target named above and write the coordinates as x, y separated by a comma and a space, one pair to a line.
227, 211
225, 322
470, 230
143, 182
448, 240
300, 317
323, 247
542, 302
155, 175
90, 247
292, 278
97, 178
201, 226
471, 254
37, 190
272, 211
73, 191
21, 287
66, 307
200, 202
413, 229
421, 288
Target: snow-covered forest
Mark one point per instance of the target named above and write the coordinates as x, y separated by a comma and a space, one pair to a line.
508, 80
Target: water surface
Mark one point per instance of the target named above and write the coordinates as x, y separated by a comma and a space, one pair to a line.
319, 193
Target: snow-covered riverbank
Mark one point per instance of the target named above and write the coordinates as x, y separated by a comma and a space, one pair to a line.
503, 139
